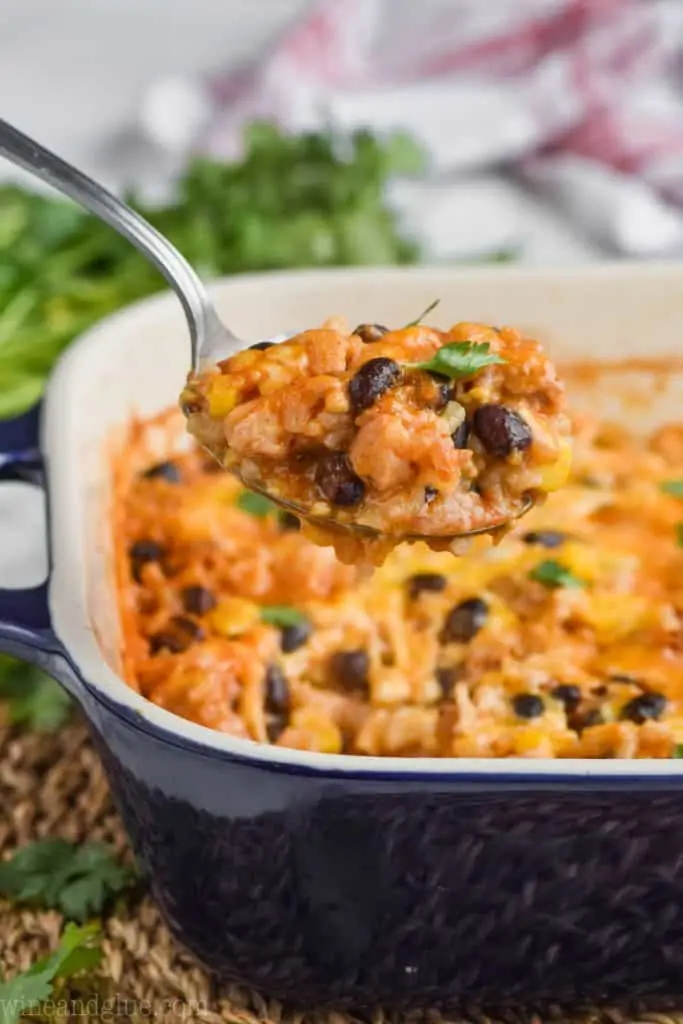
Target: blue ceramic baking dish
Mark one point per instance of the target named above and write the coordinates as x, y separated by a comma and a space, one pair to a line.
347, 880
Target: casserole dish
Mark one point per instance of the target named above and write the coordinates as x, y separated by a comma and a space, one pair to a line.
358, 880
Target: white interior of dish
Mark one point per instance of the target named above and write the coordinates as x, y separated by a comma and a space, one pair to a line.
135, 363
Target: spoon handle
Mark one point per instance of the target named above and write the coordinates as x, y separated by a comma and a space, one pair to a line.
202, 319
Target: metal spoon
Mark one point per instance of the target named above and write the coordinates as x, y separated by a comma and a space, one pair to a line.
210, 339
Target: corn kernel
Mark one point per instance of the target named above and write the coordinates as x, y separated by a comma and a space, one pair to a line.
453, 415
479, 395
555, 475
223, 398
531, 740
614, 615
233, 616
582, 561
323, 733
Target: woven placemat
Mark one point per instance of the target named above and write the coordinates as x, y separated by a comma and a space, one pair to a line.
53, 785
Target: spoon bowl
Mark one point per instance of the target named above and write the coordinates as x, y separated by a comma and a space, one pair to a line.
363, 530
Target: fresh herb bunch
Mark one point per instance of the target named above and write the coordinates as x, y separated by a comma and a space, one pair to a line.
311, 200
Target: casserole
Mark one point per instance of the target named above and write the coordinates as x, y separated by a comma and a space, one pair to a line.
356, 880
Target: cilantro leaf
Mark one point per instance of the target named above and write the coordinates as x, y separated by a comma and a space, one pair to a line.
553, 574
77, 951
77, 880
424, 313
281, 615
460, 359
255, 504
33, 699
678, 750
673, 487
679, 534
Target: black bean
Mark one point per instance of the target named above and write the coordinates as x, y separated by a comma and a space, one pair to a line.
568, 694
275, 727
528, 705
187, 626
338, 482
460, 436
431, 582
178, 636
644, 707
288, 521
447, 678
295, 636
197, 600
370, 332
430, 493
261, 346
581, 720
276, 691
141, 552
501, 430
546, 538
464, 621
350, 669
167, 471
168, 641
146, 551
371, 381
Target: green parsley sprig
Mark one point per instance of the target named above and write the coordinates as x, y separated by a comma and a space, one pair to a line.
460, 359
553, 574
281, 615
78, 880
256, 504
672, 487
424, 313
78, 951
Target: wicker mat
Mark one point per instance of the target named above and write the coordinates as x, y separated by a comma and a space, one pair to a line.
54, 785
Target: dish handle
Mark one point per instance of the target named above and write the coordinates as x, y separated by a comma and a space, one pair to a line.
25, 625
